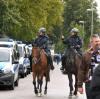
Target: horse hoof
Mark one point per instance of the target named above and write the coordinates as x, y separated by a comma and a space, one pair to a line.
71, 93
36, 92
45, 92
75, 93
39, 94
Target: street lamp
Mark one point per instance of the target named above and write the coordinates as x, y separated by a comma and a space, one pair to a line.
91, 18
82, 22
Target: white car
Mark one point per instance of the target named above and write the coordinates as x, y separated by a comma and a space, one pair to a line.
10, 44
9, 68
23, 60
28, 59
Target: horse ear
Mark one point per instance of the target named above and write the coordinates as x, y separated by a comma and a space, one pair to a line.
34, 45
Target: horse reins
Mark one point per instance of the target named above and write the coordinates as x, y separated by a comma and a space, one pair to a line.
37, 60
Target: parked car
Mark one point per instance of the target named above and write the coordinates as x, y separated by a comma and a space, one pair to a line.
23, 60
9, 68
28, 59
11, 44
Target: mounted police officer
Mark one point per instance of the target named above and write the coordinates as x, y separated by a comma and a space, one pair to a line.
42, 41
73, 41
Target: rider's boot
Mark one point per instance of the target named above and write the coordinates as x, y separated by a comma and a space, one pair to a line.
50, 62
63, 63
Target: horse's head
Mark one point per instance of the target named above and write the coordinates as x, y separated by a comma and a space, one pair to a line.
87, 57
36, 52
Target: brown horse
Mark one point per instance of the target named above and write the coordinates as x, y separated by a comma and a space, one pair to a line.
84, 69
72, 63
40, 69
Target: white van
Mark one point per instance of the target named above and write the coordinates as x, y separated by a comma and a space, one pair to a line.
10, 44
9, 68
24, 62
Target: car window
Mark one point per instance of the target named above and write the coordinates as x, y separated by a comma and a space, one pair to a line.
4, 56
5, 45
20, 51
24, 50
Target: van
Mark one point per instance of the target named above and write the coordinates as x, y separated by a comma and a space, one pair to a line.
23, 60
9, 68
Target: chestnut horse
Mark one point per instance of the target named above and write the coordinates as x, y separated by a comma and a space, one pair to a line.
40, 69
72, 63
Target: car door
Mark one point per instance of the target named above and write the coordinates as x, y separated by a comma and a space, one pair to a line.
15, 64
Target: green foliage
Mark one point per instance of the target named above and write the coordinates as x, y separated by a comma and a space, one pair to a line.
75, 11
21, 19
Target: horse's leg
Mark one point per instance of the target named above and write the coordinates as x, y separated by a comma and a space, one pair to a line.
34, 83
46, 79
45, 91
40, 84
70, 83
76, 80
37, 84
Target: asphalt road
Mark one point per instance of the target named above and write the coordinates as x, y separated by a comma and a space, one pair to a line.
57, 88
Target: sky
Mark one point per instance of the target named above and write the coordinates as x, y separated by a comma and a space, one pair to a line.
98, 6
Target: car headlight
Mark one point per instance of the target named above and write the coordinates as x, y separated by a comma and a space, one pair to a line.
6, 71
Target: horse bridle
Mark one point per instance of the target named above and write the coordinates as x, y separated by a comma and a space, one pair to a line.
37, 60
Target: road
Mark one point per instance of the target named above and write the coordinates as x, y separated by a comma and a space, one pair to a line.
57, 88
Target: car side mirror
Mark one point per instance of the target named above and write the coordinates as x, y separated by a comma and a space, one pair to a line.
15, 62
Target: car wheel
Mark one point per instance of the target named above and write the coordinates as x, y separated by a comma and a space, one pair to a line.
17, 81
25, 74
12, 86
29, 71
22, 75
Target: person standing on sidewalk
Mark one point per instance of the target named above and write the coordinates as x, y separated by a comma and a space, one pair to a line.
89, 60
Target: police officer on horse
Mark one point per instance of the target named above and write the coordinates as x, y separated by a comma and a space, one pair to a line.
73, 41
42, 41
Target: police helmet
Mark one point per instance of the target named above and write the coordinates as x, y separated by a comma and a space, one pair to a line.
42, 29
75, 30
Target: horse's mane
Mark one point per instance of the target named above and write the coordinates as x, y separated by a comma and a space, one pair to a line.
71, 61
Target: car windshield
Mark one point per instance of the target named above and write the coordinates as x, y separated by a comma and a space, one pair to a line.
4, 56
20, 51
5, 45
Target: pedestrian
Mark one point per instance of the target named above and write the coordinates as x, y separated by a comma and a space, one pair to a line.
42, 41
89, 60
73, 41
95, 82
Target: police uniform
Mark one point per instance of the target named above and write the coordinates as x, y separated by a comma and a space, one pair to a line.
74, 42
42, 41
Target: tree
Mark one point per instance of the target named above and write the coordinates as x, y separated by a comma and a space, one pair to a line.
75, 11
21, 19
